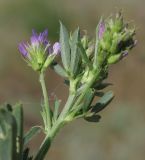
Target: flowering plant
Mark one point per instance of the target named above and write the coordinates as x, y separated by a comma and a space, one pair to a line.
84, 67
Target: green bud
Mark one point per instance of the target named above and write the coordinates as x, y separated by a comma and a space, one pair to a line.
114, 59
90, 50
85, 41
48, 61
114, 46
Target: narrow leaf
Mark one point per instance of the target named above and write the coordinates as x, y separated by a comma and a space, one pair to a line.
31, 133
56, 109
103, 102
75, 57
59, 70
65, 48
8, 134
88, 100
18, 114
94, 118
83, 54
102, 86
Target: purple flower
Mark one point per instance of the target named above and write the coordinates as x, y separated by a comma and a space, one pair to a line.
101, 29
39, 50
37, 39
23, 49
56, 48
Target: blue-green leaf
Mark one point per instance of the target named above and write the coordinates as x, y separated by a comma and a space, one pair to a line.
18, 114
65, 48
59, 70
31, 133
75, 56
84, 55
88, 100
56, 109
103, 102
93, 118
8, 134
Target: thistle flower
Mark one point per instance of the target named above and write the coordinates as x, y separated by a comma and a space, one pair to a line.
39, 50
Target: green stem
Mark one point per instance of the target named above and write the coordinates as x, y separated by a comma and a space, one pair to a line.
83, 94
61, 121
55, 128
43, 148
46, 102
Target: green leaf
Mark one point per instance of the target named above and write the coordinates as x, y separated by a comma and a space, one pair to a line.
31, 133
59, 70
56, 109
88, 100
99, 94
102, 86
65, 48
18, 114
93, 118
83, 54
96, 45
8, 134
103, 102
75, 56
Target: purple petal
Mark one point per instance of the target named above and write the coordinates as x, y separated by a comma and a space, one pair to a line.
39, 39
43, 37
34, 38
101, 29
22, 49
34, 41
56, 48
34, 33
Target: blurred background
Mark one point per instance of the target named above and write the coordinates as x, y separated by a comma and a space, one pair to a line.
120, 135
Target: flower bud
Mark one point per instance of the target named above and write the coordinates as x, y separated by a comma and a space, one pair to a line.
85, 41
114, 59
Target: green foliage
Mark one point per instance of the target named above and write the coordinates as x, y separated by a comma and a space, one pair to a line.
65, 47
85, 64
75, 56
31, 134
11, 130
12, 141
8, 135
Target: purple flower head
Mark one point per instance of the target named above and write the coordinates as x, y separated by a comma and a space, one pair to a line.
56, 48
101, 29
23, 49
41, 38
38, 52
